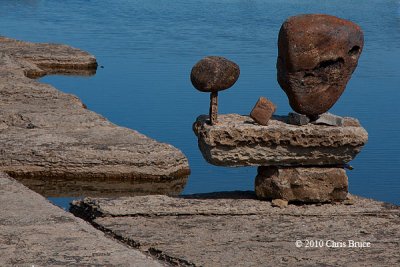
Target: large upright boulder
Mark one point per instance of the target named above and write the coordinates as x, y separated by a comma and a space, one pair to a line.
317, 55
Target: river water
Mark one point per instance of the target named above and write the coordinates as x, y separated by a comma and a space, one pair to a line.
146, 49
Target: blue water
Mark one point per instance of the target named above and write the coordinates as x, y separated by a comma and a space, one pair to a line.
148, 47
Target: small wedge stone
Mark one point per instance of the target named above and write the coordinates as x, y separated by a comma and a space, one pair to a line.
262, 111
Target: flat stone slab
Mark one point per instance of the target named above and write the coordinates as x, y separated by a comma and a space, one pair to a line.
235, 229
238, 141
39, 59
33, 232
45, 133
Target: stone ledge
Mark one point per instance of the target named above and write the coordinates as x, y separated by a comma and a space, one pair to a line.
238, 141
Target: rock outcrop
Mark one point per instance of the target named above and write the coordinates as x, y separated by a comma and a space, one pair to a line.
317, 55
46, 133
238, 141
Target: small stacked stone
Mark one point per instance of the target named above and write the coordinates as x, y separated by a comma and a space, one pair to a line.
263, 111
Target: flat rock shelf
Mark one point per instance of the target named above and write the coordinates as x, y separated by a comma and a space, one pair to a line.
45, 133
239, 141
235, 229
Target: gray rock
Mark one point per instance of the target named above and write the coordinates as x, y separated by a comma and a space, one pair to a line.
235, 229
297, 119
33, 232
45, 133
262, 111
237, 141
308, 185
329, 119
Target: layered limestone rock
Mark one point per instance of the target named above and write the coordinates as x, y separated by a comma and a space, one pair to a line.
238, 141
39, 59
46, 133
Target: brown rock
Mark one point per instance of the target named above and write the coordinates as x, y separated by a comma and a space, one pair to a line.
316, 56
309, 185
279, 203
262, 111
213, 74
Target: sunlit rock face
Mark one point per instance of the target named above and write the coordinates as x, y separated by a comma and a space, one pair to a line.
317, 55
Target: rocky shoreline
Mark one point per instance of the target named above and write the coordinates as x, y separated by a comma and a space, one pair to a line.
49, 137
45, 133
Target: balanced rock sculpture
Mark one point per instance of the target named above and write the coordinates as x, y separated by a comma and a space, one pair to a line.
213, 74
301, 157
317, 55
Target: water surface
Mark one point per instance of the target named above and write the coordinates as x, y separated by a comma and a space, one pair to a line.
148, 47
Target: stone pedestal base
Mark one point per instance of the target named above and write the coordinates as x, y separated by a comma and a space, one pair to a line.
308, 185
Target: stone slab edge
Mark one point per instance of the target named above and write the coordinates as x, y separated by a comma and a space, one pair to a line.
47, 133
35, 232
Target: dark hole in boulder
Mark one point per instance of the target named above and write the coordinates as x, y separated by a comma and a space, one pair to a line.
355, 50
335, 63
308, 74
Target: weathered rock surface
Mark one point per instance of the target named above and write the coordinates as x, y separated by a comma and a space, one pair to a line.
238, 141
317, 55
302, 184
262, 111
235, 229
213, 74
34, 232
46, 133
